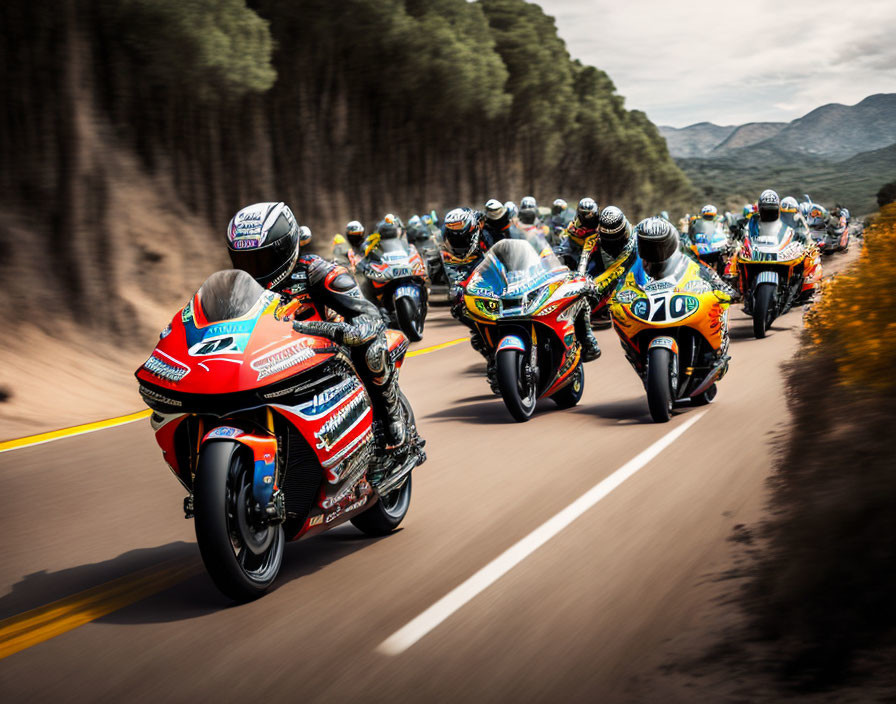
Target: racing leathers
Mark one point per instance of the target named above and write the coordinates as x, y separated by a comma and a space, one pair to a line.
319, 286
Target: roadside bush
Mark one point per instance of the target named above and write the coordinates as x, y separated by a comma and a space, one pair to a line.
825, 583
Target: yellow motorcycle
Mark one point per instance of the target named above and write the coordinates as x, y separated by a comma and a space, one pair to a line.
674, 332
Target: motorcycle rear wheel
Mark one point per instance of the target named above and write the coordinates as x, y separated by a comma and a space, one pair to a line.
571, 394
409, 318
659, 384
763, 309
519, 399
243, 562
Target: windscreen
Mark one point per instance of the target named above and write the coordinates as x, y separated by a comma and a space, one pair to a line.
770, 233
516, 265
704, 227
228, 294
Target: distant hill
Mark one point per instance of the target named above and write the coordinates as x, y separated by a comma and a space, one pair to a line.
832, 131
740, 176
745, 135
695, 140
836, 152
841, 131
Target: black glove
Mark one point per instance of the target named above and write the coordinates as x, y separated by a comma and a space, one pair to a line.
360, 331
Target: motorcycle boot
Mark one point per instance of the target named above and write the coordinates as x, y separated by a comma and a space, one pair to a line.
385, 395
590, 348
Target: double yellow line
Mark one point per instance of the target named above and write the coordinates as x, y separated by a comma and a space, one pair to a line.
32, 627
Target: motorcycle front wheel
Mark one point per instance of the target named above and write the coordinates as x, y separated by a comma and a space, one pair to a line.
763, 308
241, 552
517, 392
659, 384
410, 318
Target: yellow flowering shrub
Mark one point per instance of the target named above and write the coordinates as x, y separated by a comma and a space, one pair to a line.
856, 316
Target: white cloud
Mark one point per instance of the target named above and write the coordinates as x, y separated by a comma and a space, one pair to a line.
731, 62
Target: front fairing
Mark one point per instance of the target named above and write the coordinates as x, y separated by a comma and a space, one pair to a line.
682, 299
514, 280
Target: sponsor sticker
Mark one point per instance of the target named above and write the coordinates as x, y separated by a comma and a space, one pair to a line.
282, 358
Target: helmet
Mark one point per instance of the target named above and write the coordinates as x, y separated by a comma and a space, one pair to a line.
304, 235
528, 203
354, 233
512, 209
558, 206
614, 229
657, 244
494, 210
263, 240
709, 212
769, 206
805, 206
747, 211
789, 205
461, 232
390, 227
416, 229
587, 212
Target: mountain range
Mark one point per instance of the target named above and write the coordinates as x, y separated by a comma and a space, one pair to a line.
835, 152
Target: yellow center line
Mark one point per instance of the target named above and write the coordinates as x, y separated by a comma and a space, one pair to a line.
45, 622
41, 438
32, 627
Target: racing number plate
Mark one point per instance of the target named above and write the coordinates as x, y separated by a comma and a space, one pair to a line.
399, 271
410, 291
665, 307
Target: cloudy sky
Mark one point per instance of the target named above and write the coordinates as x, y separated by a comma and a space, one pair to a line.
731, 62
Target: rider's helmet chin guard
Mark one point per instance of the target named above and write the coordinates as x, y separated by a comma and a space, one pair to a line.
263, 240
658, 246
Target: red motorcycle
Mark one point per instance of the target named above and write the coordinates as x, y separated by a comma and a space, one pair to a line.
270, 431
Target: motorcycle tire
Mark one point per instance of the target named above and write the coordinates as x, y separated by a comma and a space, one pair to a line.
659, 384
384, 516
510, 367
222, 493
763, 309
706, 397
409, 318
571, 394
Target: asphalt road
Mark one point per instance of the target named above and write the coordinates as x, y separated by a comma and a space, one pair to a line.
586, 616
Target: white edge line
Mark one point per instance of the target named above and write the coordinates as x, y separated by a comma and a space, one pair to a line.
416, 629
71, 435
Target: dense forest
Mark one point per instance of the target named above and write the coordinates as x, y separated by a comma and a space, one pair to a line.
133, 129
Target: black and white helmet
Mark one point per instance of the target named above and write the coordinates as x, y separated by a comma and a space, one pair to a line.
558, 206
587, 212
495, 209
354, 233
769, 206
460, 233
528, 203
263, 240
657, 243
614, 229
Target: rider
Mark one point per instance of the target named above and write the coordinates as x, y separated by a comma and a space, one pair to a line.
496, 225
263, 240
463, 249
791, 216
573, 238
347, 246
660, 255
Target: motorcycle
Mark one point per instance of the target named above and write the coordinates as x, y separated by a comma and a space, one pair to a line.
428, 246
710, 244
400, 285
270, 431
775, 271
523, 302
674, 332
